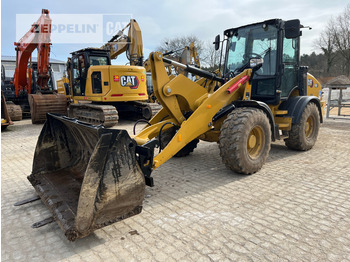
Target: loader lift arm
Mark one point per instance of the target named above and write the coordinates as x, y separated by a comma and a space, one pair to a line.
203, 107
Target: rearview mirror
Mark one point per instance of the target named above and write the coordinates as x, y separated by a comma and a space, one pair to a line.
292, 28
256, 62
217, 42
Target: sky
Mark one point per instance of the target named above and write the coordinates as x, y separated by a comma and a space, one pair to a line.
161, 19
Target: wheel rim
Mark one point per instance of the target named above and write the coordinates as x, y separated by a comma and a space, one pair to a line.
310, 126
255, 142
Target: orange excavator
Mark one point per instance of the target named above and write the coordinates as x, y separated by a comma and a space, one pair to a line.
39, 95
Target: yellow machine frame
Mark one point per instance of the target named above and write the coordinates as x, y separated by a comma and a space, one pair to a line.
174, 98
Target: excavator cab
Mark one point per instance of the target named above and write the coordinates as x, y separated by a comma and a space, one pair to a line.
81, 61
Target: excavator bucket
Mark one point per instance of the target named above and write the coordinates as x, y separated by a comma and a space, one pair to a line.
87, 176
48, 103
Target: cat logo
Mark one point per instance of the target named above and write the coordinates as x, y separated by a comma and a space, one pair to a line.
130, 81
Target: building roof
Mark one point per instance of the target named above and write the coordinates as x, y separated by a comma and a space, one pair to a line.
34, 59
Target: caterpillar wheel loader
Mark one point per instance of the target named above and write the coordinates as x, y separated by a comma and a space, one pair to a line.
89, 176
101, 91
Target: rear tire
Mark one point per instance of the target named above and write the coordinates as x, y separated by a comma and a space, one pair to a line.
303, 135
245, 140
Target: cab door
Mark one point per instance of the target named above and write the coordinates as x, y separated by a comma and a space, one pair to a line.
290, 62
78, 75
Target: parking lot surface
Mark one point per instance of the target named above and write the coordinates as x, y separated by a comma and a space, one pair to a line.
296, 208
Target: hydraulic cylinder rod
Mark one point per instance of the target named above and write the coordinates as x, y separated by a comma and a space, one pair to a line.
195, 70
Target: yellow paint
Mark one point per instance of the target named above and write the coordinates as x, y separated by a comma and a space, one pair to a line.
188, 96
111, 84
185, 95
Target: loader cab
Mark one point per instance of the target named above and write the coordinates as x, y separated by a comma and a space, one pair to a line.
81, 61
277, 43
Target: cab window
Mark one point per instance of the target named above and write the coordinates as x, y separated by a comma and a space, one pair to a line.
76, 77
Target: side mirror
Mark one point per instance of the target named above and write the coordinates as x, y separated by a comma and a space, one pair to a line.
256, 62
292, 28
217, 42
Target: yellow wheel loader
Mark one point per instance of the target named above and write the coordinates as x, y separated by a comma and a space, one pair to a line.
90, 177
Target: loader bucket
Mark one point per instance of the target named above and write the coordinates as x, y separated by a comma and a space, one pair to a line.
87, 176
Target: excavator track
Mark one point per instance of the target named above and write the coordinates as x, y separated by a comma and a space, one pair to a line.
105, 115
48, 103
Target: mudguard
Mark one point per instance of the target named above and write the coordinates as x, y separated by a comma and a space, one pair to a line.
296, 105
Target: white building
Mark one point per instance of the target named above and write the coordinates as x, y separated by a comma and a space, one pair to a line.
58, 67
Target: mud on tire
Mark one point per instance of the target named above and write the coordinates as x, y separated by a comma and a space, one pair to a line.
303, 135
245, 140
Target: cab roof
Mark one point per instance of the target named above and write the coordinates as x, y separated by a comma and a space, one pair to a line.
230, 32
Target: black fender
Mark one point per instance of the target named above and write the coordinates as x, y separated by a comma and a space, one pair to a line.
296, 105
266, 109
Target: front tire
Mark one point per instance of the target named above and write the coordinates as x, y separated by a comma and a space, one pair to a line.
245, 140
303, 135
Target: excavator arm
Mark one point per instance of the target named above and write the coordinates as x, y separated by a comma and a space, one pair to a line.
130, 43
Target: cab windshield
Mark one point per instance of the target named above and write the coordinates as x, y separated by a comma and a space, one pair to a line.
256, 41
98, 60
